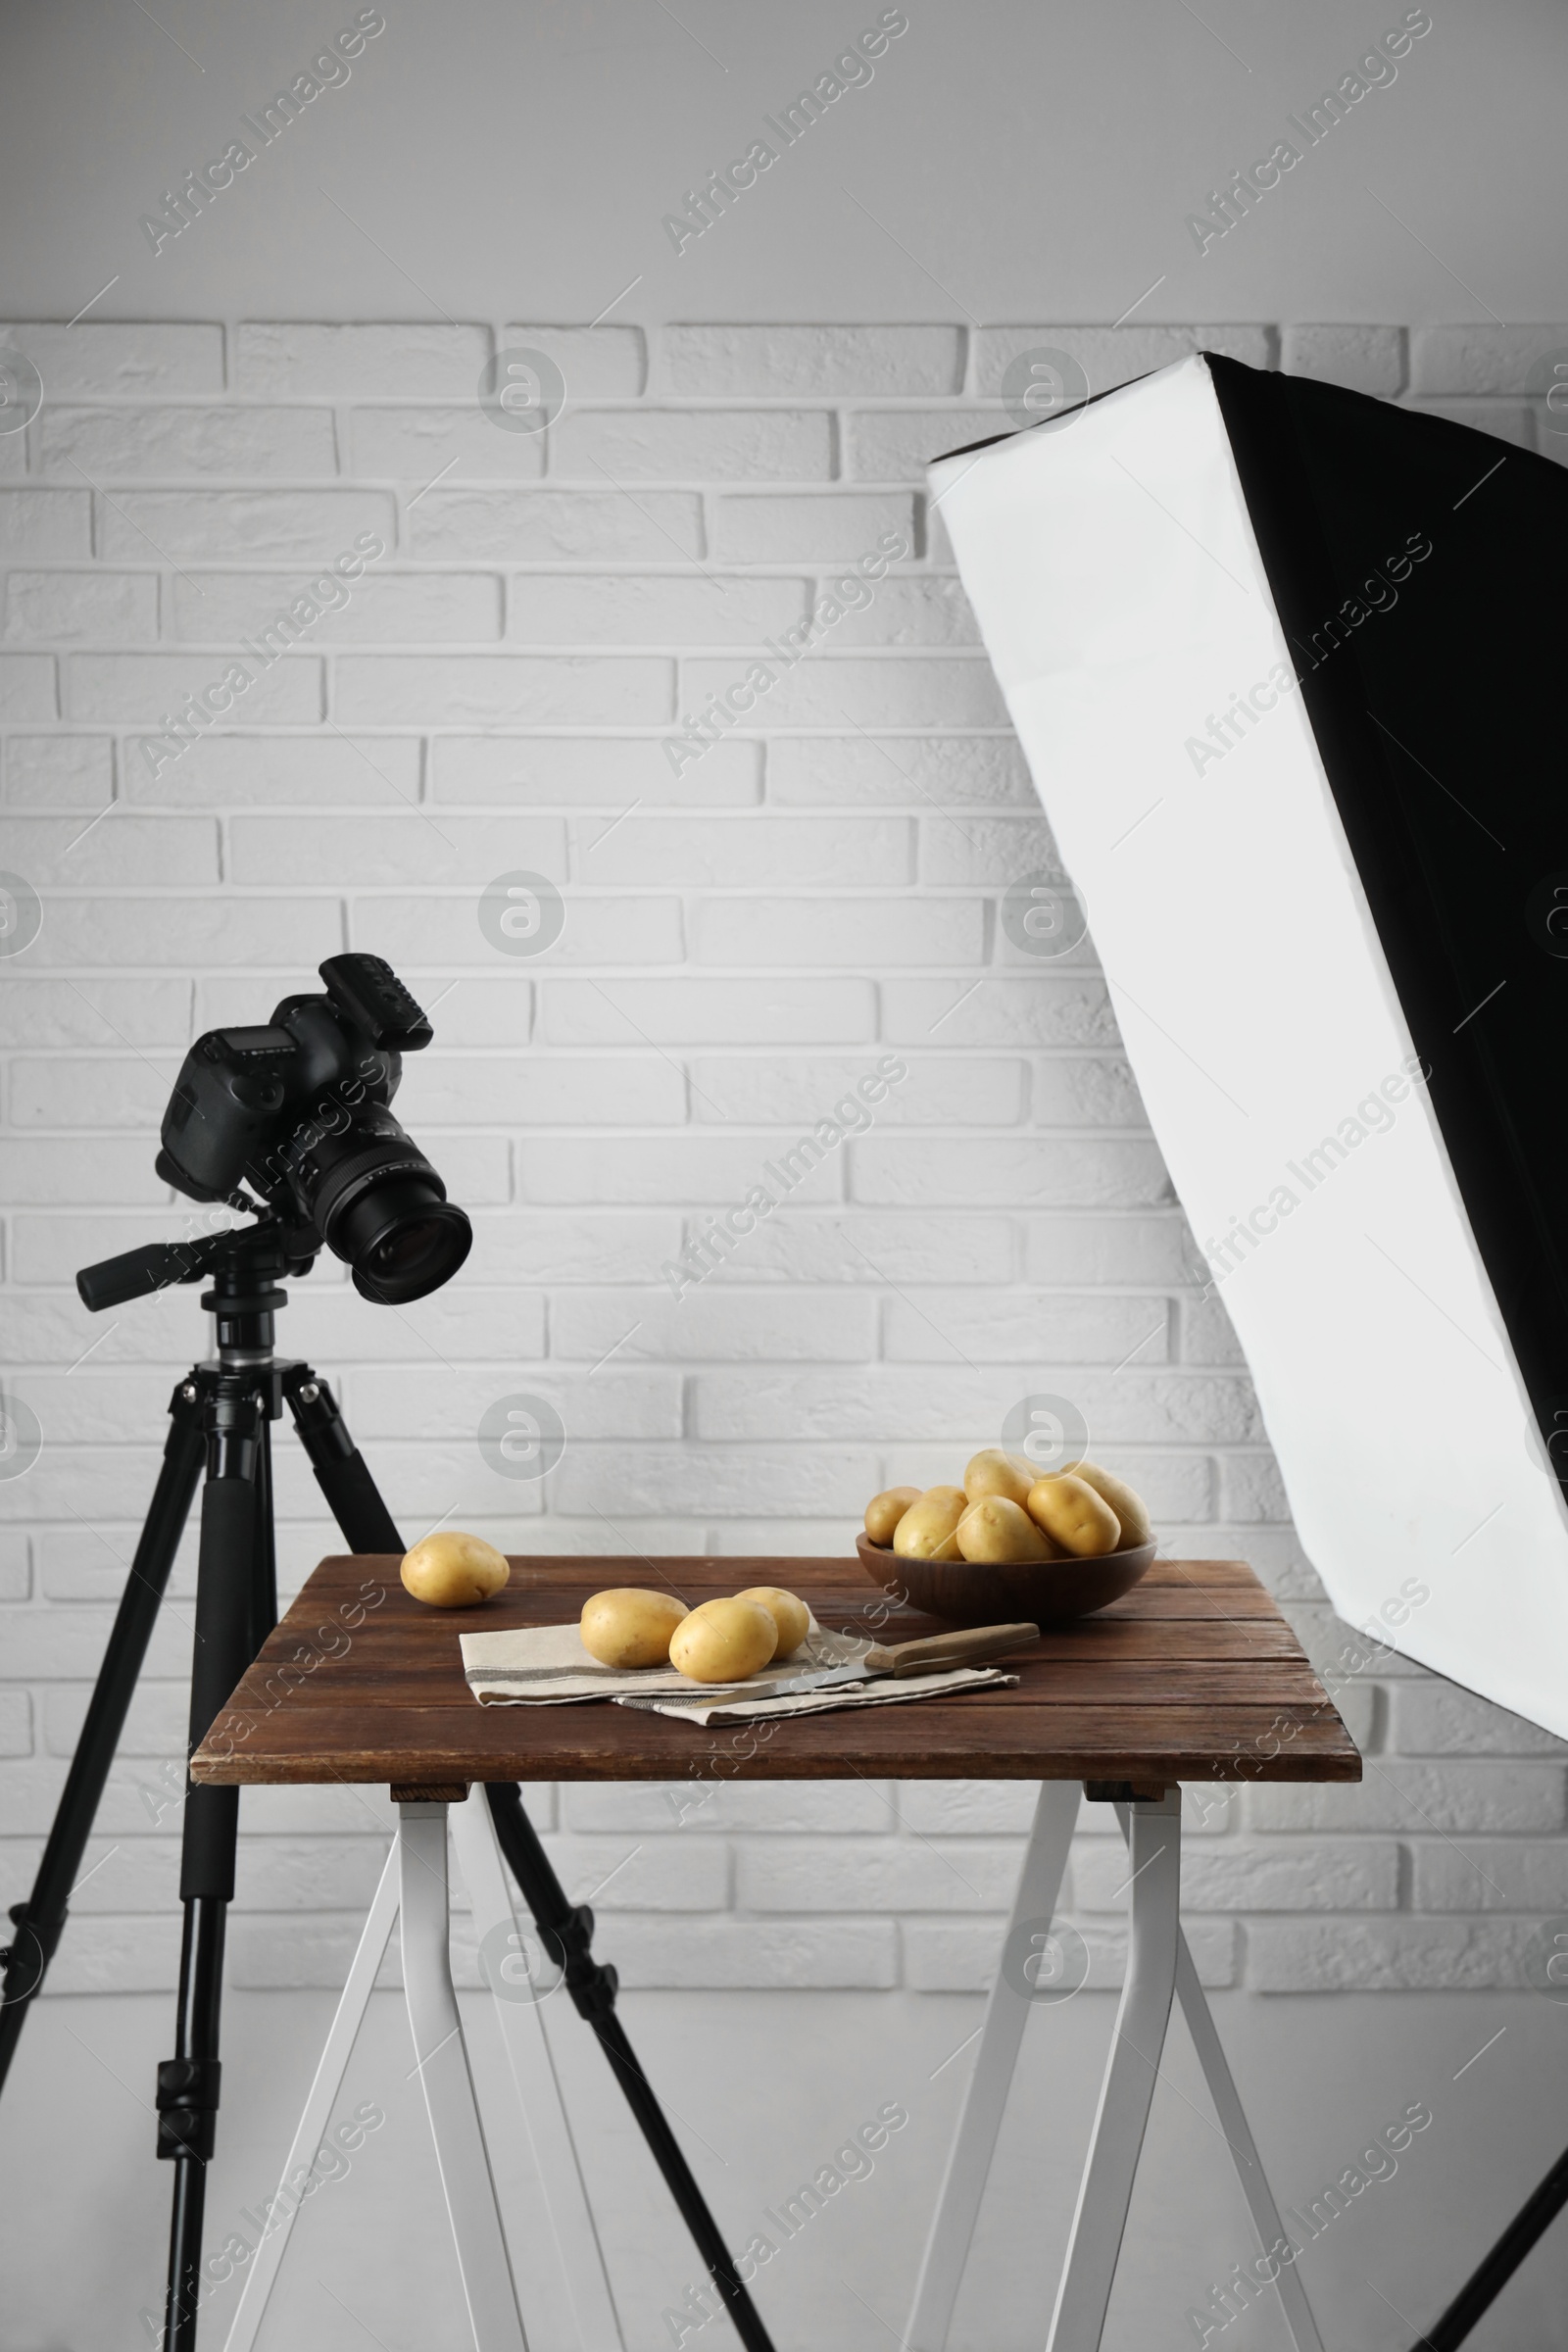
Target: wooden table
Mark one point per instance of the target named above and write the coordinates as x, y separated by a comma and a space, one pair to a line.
1193, 1676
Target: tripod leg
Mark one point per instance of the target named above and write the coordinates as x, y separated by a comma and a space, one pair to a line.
1497, 2267
225, 1605
39, 1919
341, 1470
565, 1928
264, 1557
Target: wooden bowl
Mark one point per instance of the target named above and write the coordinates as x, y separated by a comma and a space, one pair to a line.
1041, 1592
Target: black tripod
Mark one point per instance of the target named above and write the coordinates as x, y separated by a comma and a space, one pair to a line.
221, 1415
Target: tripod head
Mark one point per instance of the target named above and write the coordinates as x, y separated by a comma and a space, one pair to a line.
246, 1261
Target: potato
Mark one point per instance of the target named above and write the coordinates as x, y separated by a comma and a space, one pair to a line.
1128, 1505
453, 1571
926, 1532
630, 1626
723, 1641
884, 1511
993, 1471
1081, 1521
997, 1528
791, 1615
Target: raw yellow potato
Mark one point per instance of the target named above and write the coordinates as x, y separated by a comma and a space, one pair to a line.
997, 1528
1128, 1505
789, 1613
630, 1626
1081, 1521
884, 1511
926, 1532
453, 1571
994, 1471
723, 1641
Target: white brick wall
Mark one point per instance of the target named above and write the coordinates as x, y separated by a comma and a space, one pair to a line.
745, 935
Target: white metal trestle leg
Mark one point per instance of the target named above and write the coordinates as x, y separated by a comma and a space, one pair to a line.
534, 2078
1238, 2132
1006, 2011
318, 2105
442, 2057
1159, 1966
414, 1880
1105, 2191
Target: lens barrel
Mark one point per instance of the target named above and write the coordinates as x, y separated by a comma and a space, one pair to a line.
380, 1207
402, 1240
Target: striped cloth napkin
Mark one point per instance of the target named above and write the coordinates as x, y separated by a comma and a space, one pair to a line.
547, 1666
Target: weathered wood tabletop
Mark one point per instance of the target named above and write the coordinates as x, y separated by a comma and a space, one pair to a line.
1195, 1675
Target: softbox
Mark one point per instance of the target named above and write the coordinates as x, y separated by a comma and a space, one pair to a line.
1282, 660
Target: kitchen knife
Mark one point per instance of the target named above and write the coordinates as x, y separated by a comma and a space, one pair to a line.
935, 1653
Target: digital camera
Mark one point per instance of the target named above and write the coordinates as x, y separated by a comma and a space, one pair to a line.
301, 1113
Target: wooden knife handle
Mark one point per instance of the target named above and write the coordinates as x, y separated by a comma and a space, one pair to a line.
965, 1646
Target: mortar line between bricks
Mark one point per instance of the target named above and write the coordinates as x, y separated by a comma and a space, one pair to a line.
371, 401
1406, 1798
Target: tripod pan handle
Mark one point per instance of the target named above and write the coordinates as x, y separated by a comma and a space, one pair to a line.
138, 1272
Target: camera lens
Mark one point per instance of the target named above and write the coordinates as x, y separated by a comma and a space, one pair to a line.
401, 1241
404, 1248
378, 1205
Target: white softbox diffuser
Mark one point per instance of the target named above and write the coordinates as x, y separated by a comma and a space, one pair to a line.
1265, 644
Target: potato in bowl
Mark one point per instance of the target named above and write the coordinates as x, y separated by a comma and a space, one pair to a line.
1010, 1543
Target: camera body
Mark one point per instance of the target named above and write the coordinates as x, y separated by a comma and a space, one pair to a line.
301, 1111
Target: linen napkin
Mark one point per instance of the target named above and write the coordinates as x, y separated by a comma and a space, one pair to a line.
547, 1666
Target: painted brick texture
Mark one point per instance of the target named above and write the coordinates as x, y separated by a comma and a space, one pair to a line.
507, 684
